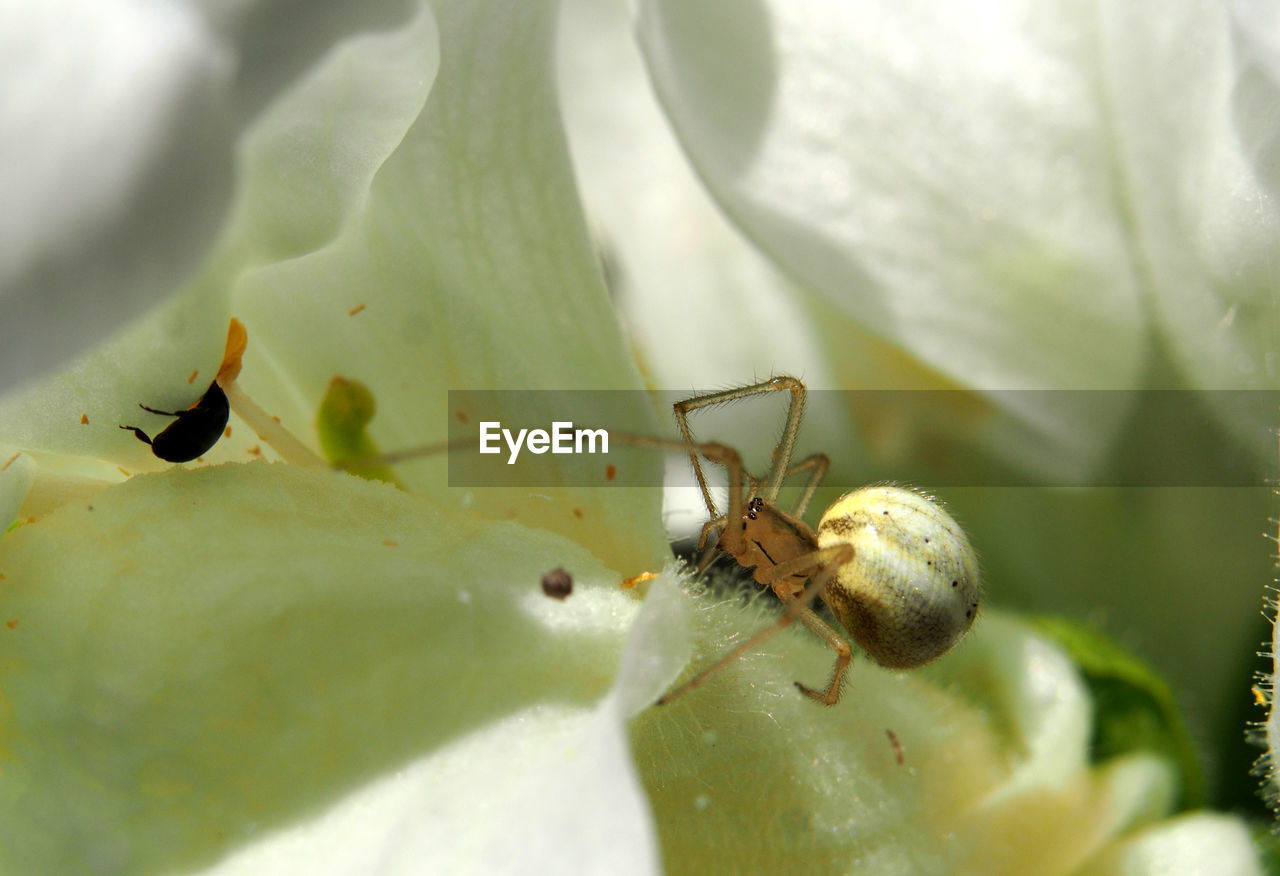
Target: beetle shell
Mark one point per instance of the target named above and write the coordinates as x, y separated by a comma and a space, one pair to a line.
194, 431
911, 590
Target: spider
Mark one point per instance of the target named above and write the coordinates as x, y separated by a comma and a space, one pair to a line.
892, 565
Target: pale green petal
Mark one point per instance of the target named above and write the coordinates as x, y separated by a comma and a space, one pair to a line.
1038, 704
546, 789
555, 787
415, 231
167, 697
17, 474
1050, 708
470, 253
167, 701
1055, 828
118, 151
305, 166
467, 265
935, 771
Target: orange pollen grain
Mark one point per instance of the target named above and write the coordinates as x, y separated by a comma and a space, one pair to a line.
84, 419
630, 583
226, 433
610, 472
194, 374
353, 311
12, 624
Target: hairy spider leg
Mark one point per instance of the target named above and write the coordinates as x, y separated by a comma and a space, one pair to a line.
828, 562
822, 564
782, 452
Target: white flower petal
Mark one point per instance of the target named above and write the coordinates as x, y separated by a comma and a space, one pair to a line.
1054, 712
549, 788
689, 284
467, 264
1201, 221
306, 166
657, 649
1013, 192
117, 140
1188, 846
169, 694
1257, 26
934, 170
115, 160
278, 40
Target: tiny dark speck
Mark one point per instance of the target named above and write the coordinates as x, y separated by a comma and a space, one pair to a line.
557, 583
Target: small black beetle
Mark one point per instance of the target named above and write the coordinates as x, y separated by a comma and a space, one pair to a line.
196, 430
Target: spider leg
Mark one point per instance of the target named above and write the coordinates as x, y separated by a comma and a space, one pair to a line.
817, 466
827, 561
720, 454
781, 453
708, 528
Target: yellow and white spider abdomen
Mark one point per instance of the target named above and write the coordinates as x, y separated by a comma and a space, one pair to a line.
911, 591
